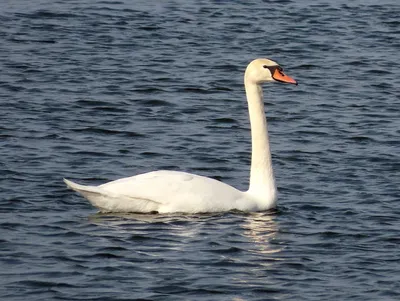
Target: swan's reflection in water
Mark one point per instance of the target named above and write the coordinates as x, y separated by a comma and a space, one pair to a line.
214, 251
184, 227
120, 219
261, 229
258, 230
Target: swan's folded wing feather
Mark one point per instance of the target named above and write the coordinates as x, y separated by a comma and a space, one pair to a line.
176, 191
155, 186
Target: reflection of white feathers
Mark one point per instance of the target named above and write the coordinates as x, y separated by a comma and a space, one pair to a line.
261, 229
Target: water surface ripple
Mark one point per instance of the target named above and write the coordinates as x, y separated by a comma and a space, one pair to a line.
99, 90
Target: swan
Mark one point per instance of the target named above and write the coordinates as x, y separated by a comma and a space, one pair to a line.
167, 191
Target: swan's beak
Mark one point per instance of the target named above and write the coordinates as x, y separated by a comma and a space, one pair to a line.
282, 77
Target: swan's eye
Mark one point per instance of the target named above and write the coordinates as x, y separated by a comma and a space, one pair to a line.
265, 67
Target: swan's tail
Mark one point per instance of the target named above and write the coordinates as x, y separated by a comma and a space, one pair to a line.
107, 201
82, 189
92, 193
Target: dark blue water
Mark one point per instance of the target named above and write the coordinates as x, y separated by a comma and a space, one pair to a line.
99, 90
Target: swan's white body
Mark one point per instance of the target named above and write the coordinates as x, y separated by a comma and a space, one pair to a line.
167, 191
173, 191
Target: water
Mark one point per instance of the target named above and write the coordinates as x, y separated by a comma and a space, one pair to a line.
99, 90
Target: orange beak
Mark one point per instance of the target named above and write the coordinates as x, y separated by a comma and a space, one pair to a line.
282, 77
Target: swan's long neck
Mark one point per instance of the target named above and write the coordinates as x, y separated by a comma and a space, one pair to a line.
262, 182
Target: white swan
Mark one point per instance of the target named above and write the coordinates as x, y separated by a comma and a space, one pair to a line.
173, 191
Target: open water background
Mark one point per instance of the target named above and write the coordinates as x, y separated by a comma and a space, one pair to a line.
99, 90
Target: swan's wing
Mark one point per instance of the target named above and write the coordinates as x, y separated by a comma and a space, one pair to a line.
163, 191
178, 191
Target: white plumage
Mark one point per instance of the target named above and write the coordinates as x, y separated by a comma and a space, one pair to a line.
165, 191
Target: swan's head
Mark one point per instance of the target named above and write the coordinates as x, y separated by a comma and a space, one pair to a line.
264, 70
